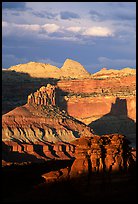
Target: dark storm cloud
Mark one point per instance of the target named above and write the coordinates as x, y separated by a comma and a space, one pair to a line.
68, 15
44, 14
14, 6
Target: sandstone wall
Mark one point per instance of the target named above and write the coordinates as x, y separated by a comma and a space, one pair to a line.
94, 98
97, 85
89, 109
107, 105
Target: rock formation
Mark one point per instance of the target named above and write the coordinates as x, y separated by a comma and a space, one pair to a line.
41, 122
43, 96
73, 69
96, 155
105, 153
44, 143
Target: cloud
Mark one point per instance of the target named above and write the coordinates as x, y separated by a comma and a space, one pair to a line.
109, 63
60, 37
16, 13
98, 31
6, 29
50, 28
74, 29
120, 63
44, 32
49, 61
21, 6
25, 29
44, 14
96, 16
11, 60
67, 15
115, 11
4, 24
125, 16
34, 27
52, 31
19, 29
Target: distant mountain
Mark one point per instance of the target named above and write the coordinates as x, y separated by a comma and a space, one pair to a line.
70, 69
36, 69
104, 72
74, 69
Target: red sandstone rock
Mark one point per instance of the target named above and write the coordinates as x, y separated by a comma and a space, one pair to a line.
32, 123
101, 153
56, 176
108, 153
43, 96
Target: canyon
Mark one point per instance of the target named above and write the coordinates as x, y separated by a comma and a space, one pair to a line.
106, 100
84, 124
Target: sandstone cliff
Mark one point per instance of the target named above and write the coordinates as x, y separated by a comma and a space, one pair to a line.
107, 105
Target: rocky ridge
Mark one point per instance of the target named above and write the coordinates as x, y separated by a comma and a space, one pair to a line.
106, 73
70, 69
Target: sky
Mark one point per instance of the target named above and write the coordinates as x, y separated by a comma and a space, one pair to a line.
95, 34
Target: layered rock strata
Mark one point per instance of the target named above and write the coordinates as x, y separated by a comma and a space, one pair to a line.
41, 122
31, 123
39, 152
